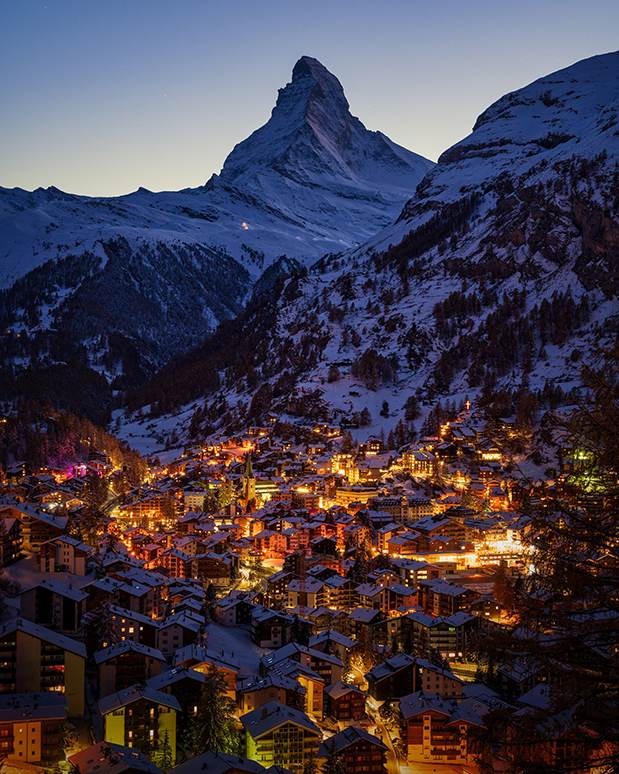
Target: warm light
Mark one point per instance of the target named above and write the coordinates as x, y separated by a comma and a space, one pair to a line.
245, 226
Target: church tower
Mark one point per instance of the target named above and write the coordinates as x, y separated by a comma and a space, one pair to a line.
249, 481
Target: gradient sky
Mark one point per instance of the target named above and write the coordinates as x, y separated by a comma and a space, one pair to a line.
99, 97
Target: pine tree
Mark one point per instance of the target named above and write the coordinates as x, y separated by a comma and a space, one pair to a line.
213, 726
163, 757
347, 668
310, 767
226, 494
333, 763
365, 418
99, 631
296, 700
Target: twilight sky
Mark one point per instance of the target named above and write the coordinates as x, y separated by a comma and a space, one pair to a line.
99, 97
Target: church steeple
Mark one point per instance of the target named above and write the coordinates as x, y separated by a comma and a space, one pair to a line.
249, 481
249, 471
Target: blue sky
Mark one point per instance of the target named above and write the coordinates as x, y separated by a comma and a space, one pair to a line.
99, 97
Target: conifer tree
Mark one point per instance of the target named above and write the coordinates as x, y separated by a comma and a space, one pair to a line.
163, 757
333, 761
213, 726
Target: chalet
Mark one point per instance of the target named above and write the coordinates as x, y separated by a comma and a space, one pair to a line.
125, 664
307, 592
10, 540
409, 542
226, 611
203, 660
270, 628
420, 463
438, 730
370, 596
140, 717
138, 597
358, 751
444, 598
254, 692
64, 554
177, 631
487, 607
441, 524
361, 617
31, 727
128, 625
276, 735
37, 525
450, 636
412, 571
327, 666
345, 702
149, 511
383, 534
325, 618
398, 596
183, 683
54, 604
212, 567
35, 659
404, 674
342, 592
102, 592
175, 562
332, 641
138, 578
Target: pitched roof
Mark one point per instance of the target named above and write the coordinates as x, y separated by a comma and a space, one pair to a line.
109, 758
124, 647
32, 706
345, 738
175, 675
47, 635
340, 688
217, 763
272, 715
134, 693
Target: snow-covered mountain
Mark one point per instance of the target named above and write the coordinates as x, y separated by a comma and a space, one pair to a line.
312, 180
161, 270
501, 272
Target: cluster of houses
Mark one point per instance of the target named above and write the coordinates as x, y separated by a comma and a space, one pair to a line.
376, 593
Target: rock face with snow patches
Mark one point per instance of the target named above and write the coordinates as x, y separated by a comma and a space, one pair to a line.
161, 270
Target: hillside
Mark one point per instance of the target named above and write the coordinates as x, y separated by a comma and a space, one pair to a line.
500, 273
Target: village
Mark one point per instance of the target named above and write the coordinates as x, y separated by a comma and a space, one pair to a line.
332, 595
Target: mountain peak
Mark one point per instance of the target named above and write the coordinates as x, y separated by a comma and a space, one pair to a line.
308, 66
313, 139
